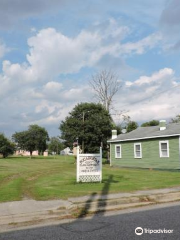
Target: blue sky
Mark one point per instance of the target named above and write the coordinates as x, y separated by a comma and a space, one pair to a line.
49, 50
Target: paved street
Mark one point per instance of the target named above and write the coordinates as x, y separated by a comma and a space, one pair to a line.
120, 226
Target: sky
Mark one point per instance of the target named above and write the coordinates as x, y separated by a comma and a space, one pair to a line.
49, 50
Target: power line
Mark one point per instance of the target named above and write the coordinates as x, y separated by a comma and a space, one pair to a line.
159, 93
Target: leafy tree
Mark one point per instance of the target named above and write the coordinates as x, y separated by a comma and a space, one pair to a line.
35, 138
6, 146
55, 145
90, 124
132, 125
176, 119
150, 123
41, 137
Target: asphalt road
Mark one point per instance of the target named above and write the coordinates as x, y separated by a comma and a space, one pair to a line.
119, 226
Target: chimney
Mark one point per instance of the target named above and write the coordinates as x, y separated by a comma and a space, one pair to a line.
114, 134
162, 125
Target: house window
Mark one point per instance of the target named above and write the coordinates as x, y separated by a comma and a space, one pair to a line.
137, 150
117, 151
164, 148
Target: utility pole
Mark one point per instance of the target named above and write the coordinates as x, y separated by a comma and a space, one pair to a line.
83, 133
83, 117
57, 149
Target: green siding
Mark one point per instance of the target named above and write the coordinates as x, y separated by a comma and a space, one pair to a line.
150, 154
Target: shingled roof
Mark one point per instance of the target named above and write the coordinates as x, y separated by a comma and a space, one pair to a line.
172, 129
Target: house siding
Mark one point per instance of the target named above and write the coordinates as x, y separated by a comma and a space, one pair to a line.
150, 154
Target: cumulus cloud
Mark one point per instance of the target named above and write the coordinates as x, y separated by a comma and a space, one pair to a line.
52, 87
152, 97
48, 114
162, 106
33, 91
141, 46
36, 90
158, 77
51, 53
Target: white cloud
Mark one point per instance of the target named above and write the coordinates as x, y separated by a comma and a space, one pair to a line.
51, 113
82, 93
51, 53
151, 97
33, 91
45, 105
5, 85
160, 76
52, 86
142, 45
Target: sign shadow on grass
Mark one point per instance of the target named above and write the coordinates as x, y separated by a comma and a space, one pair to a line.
97, 203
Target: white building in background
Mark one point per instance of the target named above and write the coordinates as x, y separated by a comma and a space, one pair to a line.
45, 154
66, 151
26, 153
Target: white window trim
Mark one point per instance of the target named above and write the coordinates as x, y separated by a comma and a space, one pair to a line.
118, 145
179, 148
135, 144
110, 156
160, 152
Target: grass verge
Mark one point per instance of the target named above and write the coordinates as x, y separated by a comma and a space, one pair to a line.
44, 178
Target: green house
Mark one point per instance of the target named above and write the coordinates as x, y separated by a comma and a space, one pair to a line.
147, 147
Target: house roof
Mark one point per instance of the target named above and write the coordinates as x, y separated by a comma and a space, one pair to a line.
172, 129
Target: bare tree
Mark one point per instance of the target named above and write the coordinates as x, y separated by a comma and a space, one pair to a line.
105, 86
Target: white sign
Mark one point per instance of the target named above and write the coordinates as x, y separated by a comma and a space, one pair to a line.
89, 167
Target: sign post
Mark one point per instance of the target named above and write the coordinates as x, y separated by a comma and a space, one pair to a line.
89, 167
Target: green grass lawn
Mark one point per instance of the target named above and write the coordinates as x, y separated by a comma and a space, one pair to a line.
44, 178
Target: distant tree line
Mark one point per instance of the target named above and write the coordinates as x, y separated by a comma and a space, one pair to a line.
35, 138
88, 125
